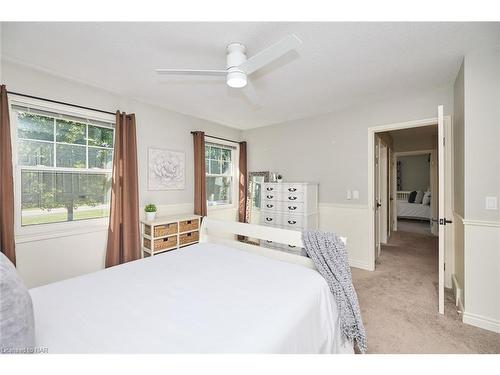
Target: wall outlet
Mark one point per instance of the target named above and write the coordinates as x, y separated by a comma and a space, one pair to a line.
355, 194
491, 203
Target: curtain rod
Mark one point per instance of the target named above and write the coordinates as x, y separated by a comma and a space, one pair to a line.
219, 138
58, 102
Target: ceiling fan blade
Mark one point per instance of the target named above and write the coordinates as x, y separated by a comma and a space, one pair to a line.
270, 54
198, 72
250, 94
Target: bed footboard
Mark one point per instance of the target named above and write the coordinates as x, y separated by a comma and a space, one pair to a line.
225, 232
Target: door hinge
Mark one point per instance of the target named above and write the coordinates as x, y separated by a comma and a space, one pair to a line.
444, 266
444, 141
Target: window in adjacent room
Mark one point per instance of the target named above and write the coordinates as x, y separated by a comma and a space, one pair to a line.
64, 165
221, 171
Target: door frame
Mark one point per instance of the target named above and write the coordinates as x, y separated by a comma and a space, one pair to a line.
384, 192
371, 174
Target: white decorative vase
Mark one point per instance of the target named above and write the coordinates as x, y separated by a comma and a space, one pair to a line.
150, 216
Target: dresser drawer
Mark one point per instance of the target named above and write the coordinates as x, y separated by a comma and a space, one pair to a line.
292, 249
292, 197
188, 225
293, 188
272, 196
292, 206
271, 205
294, 222
187, 238
270, 218
270, 188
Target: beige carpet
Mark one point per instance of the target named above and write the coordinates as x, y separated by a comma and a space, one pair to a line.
399, 303
414, 226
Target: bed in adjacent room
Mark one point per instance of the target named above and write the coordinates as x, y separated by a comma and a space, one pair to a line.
413, 208
206, 298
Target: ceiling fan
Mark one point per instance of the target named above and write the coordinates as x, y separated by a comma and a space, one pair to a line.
238, 66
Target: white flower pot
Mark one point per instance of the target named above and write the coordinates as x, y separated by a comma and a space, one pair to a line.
150, 216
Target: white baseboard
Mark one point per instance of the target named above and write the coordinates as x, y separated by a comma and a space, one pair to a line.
481, 322
359, 264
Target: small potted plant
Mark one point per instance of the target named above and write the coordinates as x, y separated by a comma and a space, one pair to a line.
150, 210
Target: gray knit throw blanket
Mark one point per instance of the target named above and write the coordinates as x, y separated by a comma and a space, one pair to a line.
329, 254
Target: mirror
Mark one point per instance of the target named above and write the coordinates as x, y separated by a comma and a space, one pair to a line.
255, 181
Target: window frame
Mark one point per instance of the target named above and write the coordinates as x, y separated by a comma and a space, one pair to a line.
57, 229
235, 157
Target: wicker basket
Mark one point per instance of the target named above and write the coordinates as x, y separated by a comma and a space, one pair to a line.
161, 230
187, 238
161, 243
188, 225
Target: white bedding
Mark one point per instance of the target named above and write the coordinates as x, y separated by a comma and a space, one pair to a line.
206, 298
413, 210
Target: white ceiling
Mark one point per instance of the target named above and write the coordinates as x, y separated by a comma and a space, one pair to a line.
339, 64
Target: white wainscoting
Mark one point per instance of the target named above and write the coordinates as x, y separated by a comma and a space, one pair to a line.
351, 221
51, 257
42, 261
458, 271
482, 274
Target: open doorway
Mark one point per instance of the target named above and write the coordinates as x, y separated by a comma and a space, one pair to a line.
414, 193
408, 227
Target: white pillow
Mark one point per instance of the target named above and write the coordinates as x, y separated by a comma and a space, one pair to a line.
419, 197
17, 325
426, 200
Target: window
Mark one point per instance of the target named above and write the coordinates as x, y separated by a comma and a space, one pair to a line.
64, 166
220, 170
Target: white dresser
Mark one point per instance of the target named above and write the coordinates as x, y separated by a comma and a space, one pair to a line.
291, 206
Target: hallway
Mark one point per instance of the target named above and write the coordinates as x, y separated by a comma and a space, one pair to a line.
399, 303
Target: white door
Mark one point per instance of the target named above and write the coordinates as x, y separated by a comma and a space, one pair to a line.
377, 196
441, 219
384, 207
393, 195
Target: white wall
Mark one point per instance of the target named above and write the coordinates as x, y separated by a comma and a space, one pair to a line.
482, 132
45, 260
482, 178
332, 150
459, 183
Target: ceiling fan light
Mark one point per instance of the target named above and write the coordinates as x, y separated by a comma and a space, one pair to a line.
236, 79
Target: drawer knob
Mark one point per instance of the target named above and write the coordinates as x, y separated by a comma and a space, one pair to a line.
291, 246
269, 189
292, 207
292, 189
292, 222
269, 205
269, 196
268, 241
269, 218
292, 198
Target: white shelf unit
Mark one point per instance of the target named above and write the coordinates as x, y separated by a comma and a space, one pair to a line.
176, 232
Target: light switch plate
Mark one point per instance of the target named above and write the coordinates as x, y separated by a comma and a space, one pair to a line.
491, 203
355, 194
349, 194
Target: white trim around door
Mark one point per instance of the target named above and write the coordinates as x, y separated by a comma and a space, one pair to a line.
371, 173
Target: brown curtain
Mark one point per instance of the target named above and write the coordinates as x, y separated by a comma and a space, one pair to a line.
242, 186
7, 243
123, 233
200, 182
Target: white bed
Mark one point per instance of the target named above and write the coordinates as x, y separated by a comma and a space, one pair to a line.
408, 210
206, 298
